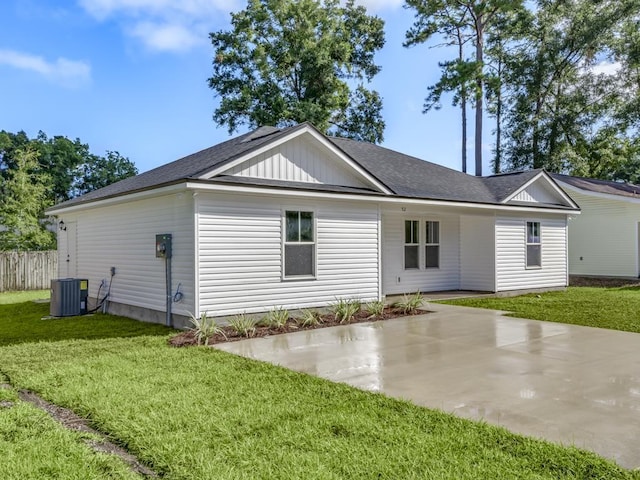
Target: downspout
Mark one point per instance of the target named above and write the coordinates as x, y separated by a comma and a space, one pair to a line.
167, 268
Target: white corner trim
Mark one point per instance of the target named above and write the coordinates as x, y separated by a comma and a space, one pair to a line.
550, 182
296, 133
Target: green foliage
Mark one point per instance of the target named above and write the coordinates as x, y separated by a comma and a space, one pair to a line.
205, 328
309, 318
243, 325
276, 318
202, 413
285, 62
22, 204
409, 303
375, 308
344, 309
98, 172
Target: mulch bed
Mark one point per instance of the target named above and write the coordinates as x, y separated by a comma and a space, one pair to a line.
188, 338
604, 282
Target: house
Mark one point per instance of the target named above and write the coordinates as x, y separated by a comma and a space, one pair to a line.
605, 239
290, 217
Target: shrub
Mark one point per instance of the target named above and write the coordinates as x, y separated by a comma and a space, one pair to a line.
276, 318
409, 304
345, 309
309, 318
375, 308
205, 328
243, 325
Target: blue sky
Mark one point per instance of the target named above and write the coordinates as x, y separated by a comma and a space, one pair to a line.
131, 76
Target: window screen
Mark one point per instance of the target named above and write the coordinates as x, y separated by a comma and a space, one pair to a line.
299, 246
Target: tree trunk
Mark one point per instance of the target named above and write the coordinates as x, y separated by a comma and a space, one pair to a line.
463, 106
497, 162
479, 94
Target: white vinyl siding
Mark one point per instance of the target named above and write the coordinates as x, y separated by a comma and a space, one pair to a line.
603, 239
241, 254
395, 279
511, 270
298, 160
123, 236
477, 253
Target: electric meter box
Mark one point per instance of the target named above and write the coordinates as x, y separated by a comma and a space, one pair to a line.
163, 245
69, 297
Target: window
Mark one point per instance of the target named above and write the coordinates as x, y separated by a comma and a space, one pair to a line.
534, 247
411, 244
299, 244
432, 247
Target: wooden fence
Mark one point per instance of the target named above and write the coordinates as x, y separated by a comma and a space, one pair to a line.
27, 270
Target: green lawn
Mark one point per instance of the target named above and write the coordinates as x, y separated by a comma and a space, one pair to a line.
198, 413
615, 308
21, 320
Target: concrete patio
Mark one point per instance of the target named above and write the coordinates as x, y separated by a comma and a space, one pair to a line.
569, 384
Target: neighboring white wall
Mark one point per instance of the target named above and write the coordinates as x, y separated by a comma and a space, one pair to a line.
123, 236
603, 239
511, 271
395, 279
298, 160
240, 253
477, 252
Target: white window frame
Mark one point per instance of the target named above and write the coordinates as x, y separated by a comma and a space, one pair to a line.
285, 242
532, 244
411, 244
431, 244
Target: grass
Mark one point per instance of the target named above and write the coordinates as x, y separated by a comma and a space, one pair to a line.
22, 322
7, 298
614, 308
196, 413
201, 413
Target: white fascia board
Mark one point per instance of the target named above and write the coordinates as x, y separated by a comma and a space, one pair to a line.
318, 137
550, 182
608, 196
210, 187
156, 192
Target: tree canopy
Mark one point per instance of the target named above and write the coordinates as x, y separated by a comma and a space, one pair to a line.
36, 173
289, 61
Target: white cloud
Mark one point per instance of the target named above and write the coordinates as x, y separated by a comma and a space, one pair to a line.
606, 68
163, 25
377, 5
165, 37
67, 72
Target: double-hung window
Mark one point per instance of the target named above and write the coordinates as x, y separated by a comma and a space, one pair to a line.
299, 244
432, 245
411, 244
534, 245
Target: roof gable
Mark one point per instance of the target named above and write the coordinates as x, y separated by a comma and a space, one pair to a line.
541, 189
301, 157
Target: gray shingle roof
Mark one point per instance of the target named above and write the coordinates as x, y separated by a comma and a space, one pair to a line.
404, 175
600, 186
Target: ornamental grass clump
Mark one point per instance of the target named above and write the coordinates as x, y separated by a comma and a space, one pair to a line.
205, 328
409, 304
374, 309
345, 309
276, 318
243, 325
309, 318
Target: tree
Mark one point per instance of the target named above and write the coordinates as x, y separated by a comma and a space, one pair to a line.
450, 22
476, 19
562, 112
98, 172
22, 205
290, 61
